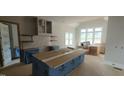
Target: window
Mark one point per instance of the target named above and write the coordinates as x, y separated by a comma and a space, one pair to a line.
93, 35
83, 35
90, 35
98, 35
68, 39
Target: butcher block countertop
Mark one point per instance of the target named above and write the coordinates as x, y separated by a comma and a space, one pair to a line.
58, 57
46, 55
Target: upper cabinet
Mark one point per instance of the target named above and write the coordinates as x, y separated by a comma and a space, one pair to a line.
49, 27
44, 27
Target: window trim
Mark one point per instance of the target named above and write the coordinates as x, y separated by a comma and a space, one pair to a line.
93, 37
69, 38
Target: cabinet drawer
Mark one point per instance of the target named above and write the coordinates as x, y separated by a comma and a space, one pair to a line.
59, 71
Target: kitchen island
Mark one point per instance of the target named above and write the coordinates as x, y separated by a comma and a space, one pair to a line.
56, 63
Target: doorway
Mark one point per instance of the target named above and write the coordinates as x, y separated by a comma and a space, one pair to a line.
9, 43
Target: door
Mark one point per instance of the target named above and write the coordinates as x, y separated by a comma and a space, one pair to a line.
5, 44
14, 41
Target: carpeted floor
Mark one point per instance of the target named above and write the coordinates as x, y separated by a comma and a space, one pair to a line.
93, 66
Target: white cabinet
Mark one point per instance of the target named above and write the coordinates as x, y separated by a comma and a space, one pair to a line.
44, 27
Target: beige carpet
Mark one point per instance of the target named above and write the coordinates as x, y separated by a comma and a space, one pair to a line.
93, 66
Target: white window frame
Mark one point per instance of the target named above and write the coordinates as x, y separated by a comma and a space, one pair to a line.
93, 39
69, 39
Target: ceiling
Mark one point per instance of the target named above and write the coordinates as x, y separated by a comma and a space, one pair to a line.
72, 20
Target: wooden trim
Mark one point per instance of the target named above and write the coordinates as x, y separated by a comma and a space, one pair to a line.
1, 58
18, 30
4, 21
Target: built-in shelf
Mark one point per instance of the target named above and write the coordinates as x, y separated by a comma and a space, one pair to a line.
53, 40
26, 38
25, 35
53, 36
27, 41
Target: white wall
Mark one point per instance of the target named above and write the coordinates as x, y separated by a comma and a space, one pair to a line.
115, 42
92, 24
59, 30
39, 42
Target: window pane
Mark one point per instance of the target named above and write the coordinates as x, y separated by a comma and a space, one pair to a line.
70, 42
66, 42
83, 36
97, 38
90, 30
83, 30
98, 34
66, 36
98, 29
71, 36
97, 41
90, 40
89, 35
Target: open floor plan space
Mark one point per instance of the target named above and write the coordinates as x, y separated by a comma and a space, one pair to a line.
61, 45
93, 66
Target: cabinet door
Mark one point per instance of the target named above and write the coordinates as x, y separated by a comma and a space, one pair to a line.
60, 70
5, 44
48, 27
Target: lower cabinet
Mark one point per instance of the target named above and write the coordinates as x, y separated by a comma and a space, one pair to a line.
41, 69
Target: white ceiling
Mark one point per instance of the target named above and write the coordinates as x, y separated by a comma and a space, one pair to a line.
71, 20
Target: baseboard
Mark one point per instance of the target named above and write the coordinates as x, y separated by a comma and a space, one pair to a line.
114, 64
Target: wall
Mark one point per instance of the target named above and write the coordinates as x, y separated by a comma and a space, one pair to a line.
28, 26
39, 42
59, 30
26, 23
92, 24
15, 36
115, 42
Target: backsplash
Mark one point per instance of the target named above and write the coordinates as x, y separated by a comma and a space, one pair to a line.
39, 41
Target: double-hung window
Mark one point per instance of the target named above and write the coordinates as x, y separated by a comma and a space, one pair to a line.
93, 35
90, 35
98, 35
68, 38
83, 35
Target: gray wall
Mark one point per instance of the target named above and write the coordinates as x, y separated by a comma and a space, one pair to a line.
27, 24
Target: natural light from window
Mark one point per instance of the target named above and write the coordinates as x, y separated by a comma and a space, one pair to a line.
68, 38
93, 35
